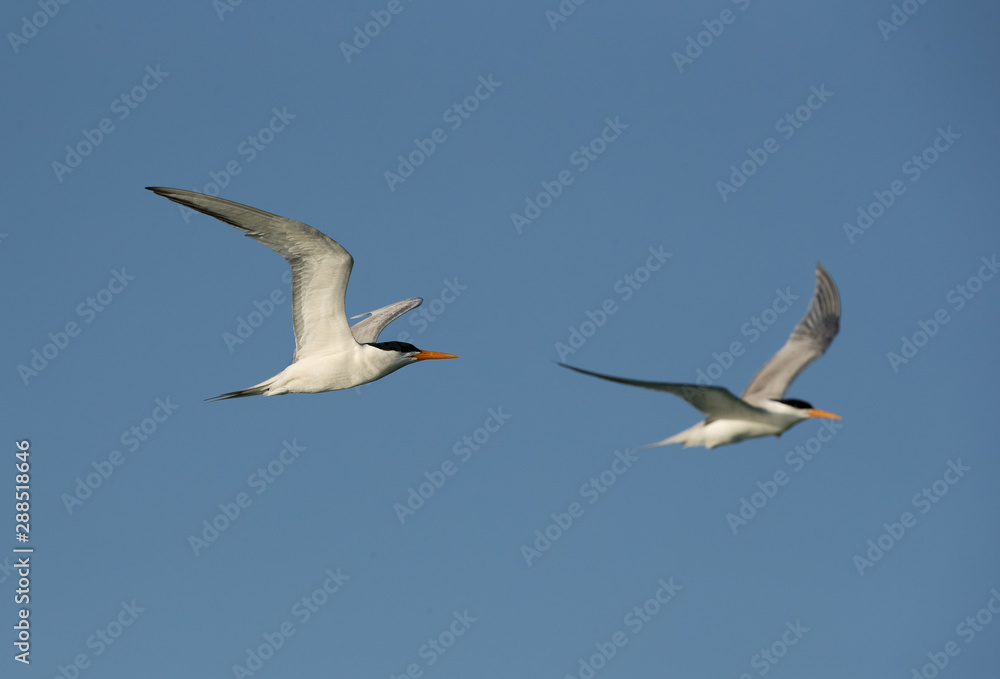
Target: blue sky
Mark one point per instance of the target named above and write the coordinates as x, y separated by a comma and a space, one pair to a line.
635, 188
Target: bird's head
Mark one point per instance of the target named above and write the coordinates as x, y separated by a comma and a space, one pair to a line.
407, 353
801, 409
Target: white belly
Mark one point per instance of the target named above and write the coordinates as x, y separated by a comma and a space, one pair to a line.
330, 372
723, 432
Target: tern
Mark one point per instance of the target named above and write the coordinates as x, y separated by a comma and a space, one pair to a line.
329, 354
762, 409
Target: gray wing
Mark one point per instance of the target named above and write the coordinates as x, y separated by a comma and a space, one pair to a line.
368, 330
715, 402
808, 341
321, 267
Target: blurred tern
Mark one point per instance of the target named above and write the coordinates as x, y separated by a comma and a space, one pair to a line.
329, 353
762, 409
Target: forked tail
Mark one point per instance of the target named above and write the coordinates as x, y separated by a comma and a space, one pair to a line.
664, 442
256, 390
689, 437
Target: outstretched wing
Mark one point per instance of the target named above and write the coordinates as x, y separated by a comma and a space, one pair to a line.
368, 330
808, 341
714, 402
321, 267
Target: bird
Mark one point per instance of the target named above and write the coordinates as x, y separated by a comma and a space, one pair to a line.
761, 410
329, 353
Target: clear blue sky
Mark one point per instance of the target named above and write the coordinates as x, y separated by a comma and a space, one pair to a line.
654, 176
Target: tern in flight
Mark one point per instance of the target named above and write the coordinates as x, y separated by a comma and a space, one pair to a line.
330, 354
762, 409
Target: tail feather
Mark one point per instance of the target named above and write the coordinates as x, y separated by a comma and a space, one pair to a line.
665, 442
689, 437
241, 393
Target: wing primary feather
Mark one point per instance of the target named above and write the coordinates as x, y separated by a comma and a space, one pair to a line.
714, 402
808, 341
321, 267
367, 331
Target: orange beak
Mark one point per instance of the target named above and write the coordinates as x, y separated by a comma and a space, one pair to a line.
823, 413
426, 355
